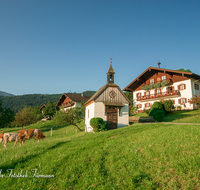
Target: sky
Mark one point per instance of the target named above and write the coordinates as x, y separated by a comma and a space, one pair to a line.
54, 47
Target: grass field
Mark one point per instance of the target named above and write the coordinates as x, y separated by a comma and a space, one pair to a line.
140, 156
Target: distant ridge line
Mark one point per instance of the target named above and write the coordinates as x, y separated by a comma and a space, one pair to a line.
2, 93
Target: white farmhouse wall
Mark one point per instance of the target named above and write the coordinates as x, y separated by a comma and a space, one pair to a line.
186, 93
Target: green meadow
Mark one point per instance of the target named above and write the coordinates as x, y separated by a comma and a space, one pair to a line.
139, 156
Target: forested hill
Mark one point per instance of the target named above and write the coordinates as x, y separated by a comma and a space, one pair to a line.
18, 102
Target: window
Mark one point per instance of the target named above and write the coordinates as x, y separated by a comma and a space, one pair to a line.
196, 86
182, 101
147, 93
151, 81
158, 91
147, 105
138, 95
170, 89
164, 78
139, 106
182, 87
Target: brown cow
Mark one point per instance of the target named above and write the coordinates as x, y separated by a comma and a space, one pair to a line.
21, 134
34, 133
5, 137
31, 133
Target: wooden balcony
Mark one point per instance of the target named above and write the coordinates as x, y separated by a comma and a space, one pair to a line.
163, 95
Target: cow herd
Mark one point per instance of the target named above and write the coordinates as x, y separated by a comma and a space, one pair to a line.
21, 136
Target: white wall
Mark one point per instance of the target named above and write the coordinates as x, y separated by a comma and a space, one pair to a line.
97, 109
123, 117
187, 93
89, 113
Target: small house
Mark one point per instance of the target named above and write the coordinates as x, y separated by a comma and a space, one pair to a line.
69, 100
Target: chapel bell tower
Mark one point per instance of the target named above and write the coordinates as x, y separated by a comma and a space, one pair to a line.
110, 73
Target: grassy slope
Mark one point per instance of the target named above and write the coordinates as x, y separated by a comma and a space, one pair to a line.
189, 116
140, 156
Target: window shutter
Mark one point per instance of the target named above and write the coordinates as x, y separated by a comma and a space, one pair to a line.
178, 87
185, 100
172, 88
179, 101
184, 86
144, 93
155, 92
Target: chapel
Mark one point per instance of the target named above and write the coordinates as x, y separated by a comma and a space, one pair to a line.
108, 103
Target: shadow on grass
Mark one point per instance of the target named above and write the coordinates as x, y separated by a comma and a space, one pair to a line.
23, 160
171, 117
139, 181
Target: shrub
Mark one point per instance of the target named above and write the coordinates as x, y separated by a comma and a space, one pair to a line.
159, 115
157, 111
179, 107
167, 105
155, 106
98, 124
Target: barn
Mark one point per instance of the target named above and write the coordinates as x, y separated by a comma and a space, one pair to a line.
108, 103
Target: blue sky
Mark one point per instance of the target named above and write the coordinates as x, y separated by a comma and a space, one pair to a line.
52, 47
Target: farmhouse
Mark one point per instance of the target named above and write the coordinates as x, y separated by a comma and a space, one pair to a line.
108, 103
156, 84
69, 100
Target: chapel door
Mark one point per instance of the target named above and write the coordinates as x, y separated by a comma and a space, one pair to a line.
112, 118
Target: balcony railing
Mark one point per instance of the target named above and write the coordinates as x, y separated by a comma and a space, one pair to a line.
162, 95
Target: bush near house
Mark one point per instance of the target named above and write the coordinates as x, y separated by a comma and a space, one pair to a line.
157, 111
98, 124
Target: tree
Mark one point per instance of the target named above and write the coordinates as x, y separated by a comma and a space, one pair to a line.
6, 116
50, 109
157, 111
184, 70
168, 105
195, 100
129, 95
25, 116
72, 116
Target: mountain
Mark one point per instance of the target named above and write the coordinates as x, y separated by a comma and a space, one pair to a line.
18, 102
5, 94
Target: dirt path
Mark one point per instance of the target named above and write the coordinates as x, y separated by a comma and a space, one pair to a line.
173, 123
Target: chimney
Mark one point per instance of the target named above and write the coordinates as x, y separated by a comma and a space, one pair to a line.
159, 64
82, 94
